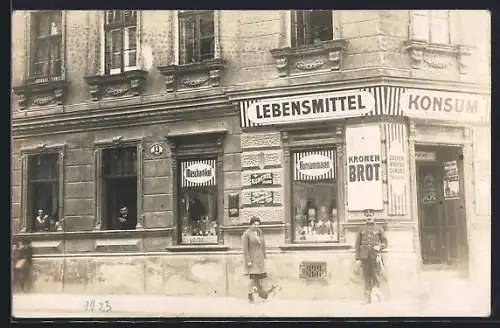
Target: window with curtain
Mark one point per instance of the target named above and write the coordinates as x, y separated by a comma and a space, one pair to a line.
120, 29
196, 36
314, 194
431, 25
46, 44
43, 191
311, 27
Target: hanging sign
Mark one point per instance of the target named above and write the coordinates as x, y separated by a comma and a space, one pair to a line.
364, 180
306, 108
198, 173
314, 165
450, 106
451, 182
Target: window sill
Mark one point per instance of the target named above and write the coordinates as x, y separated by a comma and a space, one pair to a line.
195, 75
316, 246
197, 248
324, 55
128, 83
434, 55
96, 234
41, 92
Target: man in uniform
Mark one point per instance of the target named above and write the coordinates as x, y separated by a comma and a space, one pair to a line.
370, 241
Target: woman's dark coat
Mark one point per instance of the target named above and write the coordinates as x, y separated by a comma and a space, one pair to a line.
254, 251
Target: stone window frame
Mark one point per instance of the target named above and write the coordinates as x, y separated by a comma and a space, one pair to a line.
102, 44
99, 146
192, 75
301, 138
26, 152
306, 56
424, 50
41, 91
182, 150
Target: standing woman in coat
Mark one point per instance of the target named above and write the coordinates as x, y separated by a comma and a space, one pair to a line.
254, 252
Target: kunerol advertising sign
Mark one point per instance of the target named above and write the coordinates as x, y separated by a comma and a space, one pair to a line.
448, 106
314, 107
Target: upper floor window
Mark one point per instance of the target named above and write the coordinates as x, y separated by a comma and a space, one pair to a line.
46, 44
196, 36
120, 29
431, 25
311, 27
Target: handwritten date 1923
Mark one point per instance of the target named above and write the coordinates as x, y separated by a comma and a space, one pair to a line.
93, 305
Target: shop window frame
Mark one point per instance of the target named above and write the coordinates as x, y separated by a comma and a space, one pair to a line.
306, 138
187, 146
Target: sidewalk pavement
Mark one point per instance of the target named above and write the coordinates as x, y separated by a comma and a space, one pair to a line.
70, 305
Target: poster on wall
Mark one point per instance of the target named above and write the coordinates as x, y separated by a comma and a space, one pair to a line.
395, 136
234, 205
451, 182
364, 176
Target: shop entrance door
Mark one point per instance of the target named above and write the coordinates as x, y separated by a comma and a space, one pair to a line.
441, 206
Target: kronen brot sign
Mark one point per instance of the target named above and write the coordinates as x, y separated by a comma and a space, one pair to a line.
314, 107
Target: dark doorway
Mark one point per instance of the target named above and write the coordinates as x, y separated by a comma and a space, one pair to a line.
441, 205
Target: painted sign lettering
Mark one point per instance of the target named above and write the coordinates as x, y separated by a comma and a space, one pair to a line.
452, 106
261, 178
261, 197
363, 148
324, 106
315, 165
199, 173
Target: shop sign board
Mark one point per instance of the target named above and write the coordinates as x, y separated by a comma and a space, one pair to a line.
448, 106
364, 180
314, 107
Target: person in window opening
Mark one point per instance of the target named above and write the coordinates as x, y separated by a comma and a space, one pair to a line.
370, 241
42, 222
22, 254
254, 253
123, 219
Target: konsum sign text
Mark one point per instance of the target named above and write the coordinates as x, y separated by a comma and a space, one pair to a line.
449, 106
315, 107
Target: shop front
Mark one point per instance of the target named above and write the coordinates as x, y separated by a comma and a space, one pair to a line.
404, 153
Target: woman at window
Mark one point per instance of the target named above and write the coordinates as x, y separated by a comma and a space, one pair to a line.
254, 252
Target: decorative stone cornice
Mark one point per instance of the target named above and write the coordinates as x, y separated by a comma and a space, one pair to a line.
41, 92
110, 86
439, 56
115, 116
323, 55
195, 75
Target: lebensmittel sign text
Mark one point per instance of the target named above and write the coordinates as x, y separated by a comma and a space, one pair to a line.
315, 107
448, 106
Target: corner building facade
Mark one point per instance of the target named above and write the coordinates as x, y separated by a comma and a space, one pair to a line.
303, 118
